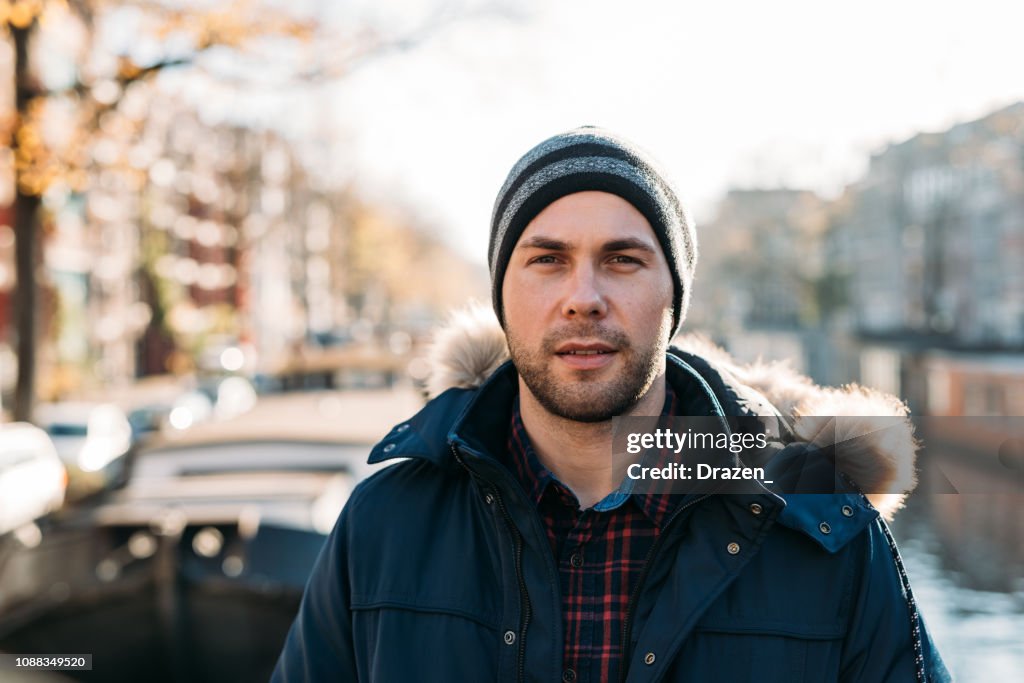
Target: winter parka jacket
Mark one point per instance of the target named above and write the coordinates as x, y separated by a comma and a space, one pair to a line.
438, 568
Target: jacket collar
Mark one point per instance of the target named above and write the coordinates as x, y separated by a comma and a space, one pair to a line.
477, 420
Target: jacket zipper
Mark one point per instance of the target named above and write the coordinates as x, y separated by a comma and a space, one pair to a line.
524, 597
627, 625
627, 622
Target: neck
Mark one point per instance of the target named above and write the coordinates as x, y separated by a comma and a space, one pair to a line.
579, 454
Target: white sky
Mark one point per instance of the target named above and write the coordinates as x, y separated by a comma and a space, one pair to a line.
723, 93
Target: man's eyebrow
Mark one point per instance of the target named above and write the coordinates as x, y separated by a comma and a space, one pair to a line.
552, 244
541, 242
627, 243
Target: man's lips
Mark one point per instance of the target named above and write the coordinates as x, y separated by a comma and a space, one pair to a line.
586, 356
584, 349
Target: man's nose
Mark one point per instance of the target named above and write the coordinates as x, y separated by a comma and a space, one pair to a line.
584, 298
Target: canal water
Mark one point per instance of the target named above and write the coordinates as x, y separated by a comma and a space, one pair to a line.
964, 554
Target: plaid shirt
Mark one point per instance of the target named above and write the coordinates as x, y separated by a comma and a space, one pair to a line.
600, 553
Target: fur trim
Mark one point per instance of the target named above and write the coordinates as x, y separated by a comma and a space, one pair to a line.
880, 456
466, 350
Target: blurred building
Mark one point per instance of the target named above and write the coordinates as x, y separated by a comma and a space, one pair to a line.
932, 237
189, 237
909, 282
960, 383
928, 246
758, 288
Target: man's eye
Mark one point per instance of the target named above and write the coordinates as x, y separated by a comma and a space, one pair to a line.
546, 259
621, 258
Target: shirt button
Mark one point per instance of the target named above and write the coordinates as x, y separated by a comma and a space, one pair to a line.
756, 509
568, 676
825, 528
510, 637
576, 560
649, 658
733, 548
401, 428
390, 447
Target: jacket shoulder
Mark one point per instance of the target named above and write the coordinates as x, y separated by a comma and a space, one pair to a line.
425, 436
397, 487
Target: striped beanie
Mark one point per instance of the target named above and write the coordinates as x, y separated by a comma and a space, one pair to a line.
583, 159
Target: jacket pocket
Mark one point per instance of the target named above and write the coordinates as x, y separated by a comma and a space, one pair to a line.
765, 651
416, 640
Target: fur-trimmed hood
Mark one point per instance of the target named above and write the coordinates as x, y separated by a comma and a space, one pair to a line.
471, 346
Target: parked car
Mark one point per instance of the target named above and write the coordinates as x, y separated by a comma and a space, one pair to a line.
194, 568
32, 477
91, 440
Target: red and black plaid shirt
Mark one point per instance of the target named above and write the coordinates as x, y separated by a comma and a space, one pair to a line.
600, 553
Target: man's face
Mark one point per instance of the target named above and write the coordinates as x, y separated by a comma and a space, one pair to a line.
588, 306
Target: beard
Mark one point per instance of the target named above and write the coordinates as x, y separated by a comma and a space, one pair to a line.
587, 398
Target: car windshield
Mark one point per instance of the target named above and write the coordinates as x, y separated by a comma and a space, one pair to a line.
64, 429
258, 456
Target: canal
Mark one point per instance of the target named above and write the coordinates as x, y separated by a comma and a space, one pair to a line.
965, 557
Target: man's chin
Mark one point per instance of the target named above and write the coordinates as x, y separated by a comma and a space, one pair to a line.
586, 404
581, 413
609, 372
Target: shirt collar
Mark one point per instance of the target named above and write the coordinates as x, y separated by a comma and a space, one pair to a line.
535, 478
527, 467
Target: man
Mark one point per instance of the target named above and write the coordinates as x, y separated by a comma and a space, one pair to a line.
503, 547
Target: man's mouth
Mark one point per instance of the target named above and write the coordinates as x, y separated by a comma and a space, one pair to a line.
585, 355
584, 349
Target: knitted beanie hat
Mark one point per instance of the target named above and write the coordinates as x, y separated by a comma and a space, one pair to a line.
583, 159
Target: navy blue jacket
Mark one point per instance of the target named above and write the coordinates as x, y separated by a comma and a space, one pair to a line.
438, 570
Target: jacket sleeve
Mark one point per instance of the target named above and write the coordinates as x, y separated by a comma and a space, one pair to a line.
879, 645
319, 645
